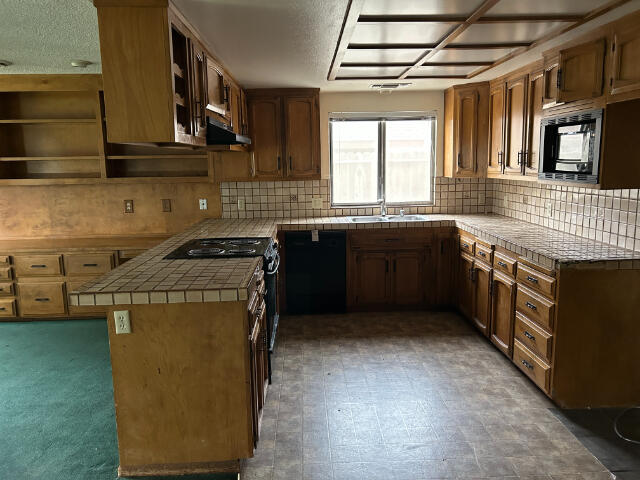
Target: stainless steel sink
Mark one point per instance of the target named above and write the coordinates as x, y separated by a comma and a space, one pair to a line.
369, 219
407, 218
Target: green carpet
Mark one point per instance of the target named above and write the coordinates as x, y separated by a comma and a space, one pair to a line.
57, 420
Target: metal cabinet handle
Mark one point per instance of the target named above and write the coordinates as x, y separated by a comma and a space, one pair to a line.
529, 336
465, 245
471, 274
527, 364
290, 164
459, 160
2, 309
559, 79
482, 254
89, 264
532, 279
525, 157
520, 157
279, 165
38, 266
502, 264
500, 158
531, 306
44, 299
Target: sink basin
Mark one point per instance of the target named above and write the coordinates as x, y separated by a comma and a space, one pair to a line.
369, 218
407, 218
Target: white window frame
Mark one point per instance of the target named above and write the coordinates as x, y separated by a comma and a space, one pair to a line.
382, 118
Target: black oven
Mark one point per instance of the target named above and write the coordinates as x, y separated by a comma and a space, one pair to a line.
570, 147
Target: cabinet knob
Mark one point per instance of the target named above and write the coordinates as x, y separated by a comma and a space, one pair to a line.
529, 336
531, 306
502, 264
527, 364
532, 279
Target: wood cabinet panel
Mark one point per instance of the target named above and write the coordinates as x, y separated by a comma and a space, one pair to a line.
503, 312
532, 366
371, 280
535, 307
301, 136
36, 265
5, 273
467, 244
625, 71
538, 281
6, 288
533, 337
265, 124
535, 94
482, 297
484, 253
408, 278
234, 167
88, 263
504, 264
550, 81
466, 136
465, 290
496, 129
515, 125
7, 307
41, 298
581, 71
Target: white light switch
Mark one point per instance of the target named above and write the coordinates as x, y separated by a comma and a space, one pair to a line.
203, 204
316, 202
123, 324
241, 204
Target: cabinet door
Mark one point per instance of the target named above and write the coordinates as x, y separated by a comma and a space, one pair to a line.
198, 87
581, 71
481, 297
244, 118
465, 285
235, 102
301, 136
216, 92
515, 114
625, 74
534, 116
371, 279
407, 279
254, 345
503, 312
466, 131
496, 129
550, 81
266, 136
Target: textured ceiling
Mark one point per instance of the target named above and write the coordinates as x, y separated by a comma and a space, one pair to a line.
44, 36
264, 43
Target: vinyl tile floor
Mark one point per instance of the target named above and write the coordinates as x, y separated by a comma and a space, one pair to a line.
406, 396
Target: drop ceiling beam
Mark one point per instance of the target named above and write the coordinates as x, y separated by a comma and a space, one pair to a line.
479, 12
396, 78
429, 46
409, 64
462, 19
348, 26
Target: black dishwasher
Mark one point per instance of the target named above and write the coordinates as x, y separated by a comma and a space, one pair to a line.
316, 272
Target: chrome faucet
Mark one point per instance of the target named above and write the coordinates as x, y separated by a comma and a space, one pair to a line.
383, 207
402, 212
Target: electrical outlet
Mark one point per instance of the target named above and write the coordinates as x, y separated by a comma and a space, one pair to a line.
166, 204
123, 324
128, 206
241, 204
316, 202
203, 204
548, 209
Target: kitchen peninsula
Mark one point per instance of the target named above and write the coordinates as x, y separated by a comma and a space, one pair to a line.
185, 378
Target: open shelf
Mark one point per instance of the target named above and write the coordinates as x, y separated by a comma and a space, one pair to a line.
24, 159
47, 120
48, 105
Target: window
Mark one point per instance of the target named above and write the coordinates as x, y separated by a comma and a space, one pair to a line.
384, 157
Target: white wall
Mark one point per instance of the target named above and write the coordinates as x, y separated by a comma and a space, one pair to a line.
424, 101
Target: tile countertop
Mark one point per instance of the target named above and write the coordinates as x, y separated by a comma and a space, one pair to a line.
149, 278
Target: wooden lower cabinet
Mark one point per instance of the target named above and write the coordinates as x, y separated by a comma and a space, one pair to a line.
503, 293
481, 278
370, 281
42, 299
407, 286
465, 290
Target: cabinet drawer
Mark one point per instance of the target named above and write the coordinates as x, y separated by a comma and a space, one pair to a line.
535, 307
504, 264
4, 260
41, 298
5, 273
36, 265
88, 263
536, 369
533, 337
6, 288
484, 253
7, 307
467, 244
536, 280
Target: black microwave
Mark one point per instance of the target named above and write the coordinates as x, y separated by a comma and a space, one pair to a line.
570, 147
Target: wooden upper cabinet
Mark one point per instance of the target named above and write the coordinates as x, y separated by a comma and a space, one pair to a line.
515, 126
625, 69
496, 129
284, 128
466, 130
550, 81
503, 294
302, 136
235, 104
535, 99
217, 93
199, 89
265, 122
581, 71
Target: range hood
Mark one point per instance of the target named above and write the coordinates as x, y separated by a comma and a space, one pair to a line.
220, 134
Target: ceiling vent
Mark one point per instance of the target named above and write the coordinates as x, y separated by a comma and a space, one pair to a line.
388, 87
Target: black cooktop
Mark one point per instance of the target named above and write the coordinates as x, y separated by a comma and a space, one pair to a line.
222, 248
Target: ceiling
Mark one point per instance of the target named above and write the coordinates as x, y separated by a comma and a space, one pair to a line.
292, 43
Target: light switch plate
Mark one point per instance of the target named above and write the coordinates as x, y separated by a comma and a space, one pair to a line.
128, 206
203, 204
316, 202
241, 204
123, 323
166, 204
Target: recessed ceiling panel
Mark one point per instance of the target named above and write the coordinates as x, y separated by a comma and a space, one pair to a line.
395, 55
545, 7
507, 32
468, 55
420, 33
420, 7
427, 70
373, 72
